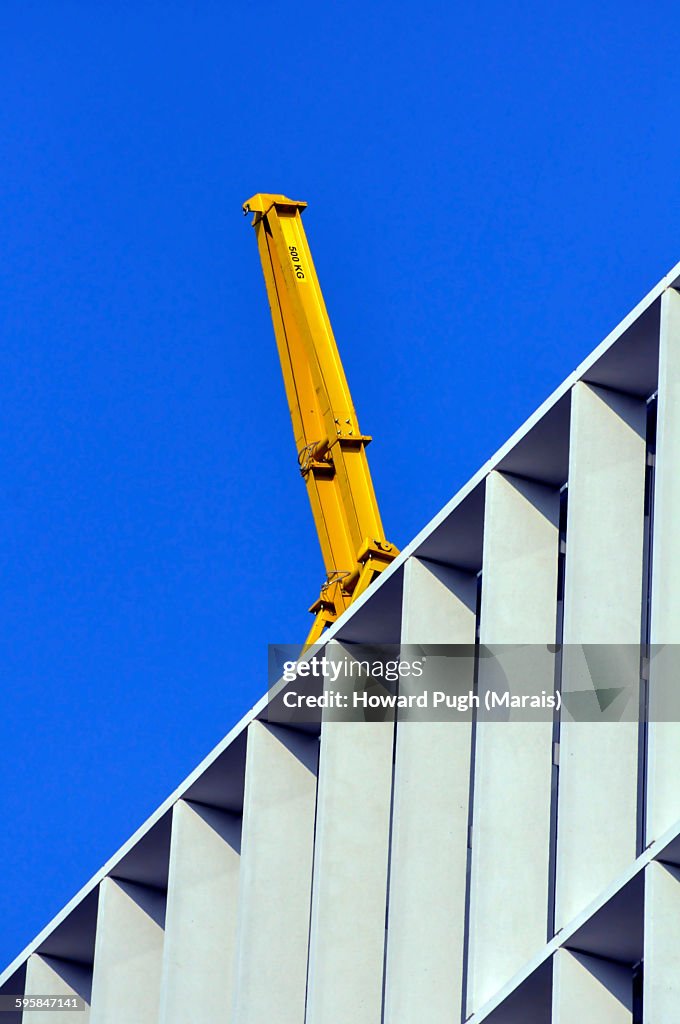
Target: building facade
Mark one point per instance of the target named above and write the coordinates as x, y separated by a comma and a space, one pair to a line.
440, 871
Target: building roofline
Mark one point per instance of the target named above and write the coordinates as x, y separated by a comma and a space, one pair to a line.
340, 628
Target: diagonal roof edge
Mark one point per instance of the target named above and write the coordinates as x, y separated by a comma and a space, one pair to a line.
670, 280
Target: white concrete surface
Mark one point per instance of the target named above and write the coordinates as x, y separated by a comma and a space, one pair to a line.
126, 982
48, 976
428, 866
663, 794
513, 759
349, 896
590, 990
200, 921
662, 944
597, 806
275, 876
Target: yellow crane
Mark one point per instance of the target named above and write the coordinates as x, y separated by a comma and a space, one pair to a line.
331, 448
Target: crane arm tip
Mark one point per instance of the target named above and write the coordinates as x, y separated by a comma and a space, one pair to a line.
262, 202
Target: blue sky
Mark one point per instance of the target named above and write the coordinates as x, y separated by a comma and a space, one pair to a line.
491, 188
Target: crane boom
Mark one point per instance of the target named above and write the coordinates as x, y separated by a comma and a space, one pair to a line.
330, 445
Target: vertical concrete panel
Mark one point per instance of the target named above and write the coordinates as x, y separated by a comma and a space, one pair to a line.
49, 976
589, 990
349, 897
128, 953
519, 570
439, 604
200, 922
428, 866
513, 759
597, 807
663, 808
661, 983
275, 876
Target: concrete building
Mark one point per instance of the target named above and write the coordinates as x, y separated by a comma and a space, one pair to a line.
367, 872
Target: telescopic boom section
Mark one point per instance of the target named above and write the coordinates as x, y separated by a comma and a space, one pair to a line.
330, 445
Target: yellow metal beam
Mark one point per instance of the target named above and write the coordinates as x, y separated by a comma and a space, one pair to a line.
330, 445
